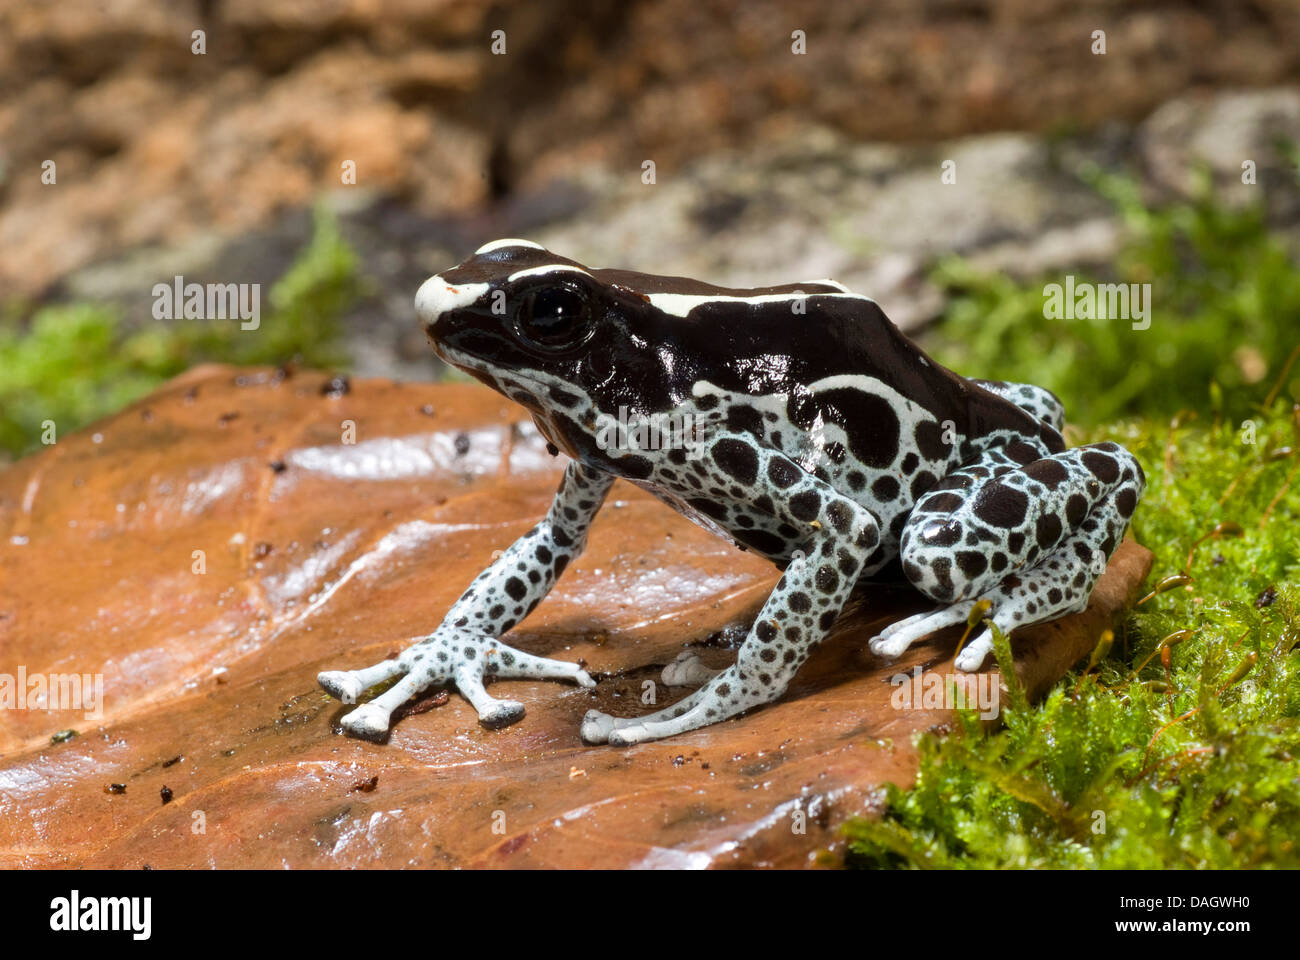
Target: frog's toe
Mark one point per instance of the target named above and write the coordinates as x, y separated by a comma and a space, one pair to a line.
630, 734
501, 713
596, 727
893, 640
341, 684
368, 721
348, 685
508, 663
974, 654
688, 670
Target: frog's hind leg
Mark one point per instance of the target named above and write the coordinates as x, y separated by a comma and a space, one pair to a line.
1032, 538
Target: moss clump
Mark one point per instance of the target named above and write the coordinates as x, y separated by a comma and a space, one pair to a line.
73, 363
1133, 764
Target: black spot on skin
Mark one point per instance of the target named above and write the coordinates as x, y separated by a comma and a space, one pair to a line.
885, 488
929, 440
783, 473
1076, 508
1048, 530
765, 504
565, 398
1127, 502
1050, 473
561, 562
828, 581
768, 544
1101, 466
638, 468
1020, 452
1083, 552
799, 602
841, 516
709, 507
742, 418
847, 563
941, 533
496, 611
971, 563
998, 563
910, 463
826, 620
765, 631
999, 505
940, 503
942, 568
856, 481
868, 420
805, 506
767, 654
922, 483
897, 524
706, 402
1016, 542
737, 459
836, 452
1054, 595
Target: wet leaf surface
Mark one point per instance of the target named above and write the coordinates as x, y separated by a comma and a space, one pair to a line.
211, 548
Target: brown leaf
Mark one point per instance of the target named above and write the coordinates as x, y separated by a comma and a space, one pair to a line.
347, 553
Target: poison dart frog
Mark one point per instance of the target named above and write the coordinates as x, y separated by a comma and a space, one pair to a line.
821, 438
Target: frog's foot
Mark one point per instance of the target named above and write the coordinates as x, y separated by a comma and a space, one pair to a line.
439, 660
688, 670
600, 727
897, 637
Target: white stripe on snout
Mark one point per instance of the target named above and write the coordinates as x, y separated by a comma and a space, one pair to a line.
436, 296
498, 244
548, 268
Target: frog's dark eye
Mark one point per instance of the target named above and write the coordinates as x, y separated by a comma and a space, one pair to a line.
555, 317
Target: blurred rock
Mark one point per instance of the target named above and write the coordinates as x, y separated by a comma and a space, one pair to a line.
154, 144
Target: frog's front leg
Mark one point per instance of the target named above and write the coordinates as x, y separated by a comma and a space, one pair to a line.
796, 616
465, 648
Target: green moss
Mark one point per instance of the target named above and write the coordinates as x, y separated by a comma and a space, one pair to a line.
73, 363
1224, 310
1116, 770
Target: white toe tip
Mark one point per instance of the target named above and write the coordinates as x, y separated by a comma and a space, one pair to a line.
368, 721
341, 684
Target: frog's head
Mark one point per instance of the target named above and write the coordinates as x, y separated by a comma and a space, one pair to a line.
566, 342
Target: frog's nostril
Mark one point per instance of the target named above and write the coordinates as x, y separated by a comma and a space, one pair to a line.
437, 297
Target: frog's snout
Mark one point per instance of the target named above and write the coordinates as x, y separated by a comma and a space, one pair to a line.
438, 297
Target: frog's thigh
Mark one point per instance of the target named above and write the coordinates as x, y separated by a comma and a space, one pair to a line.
1032, 539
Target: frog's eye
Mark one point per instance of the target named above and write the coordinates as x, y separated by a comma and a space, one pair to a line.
555, 316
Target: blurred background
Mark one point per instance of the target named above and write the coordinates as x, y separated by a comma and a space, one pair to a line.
1147, 142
